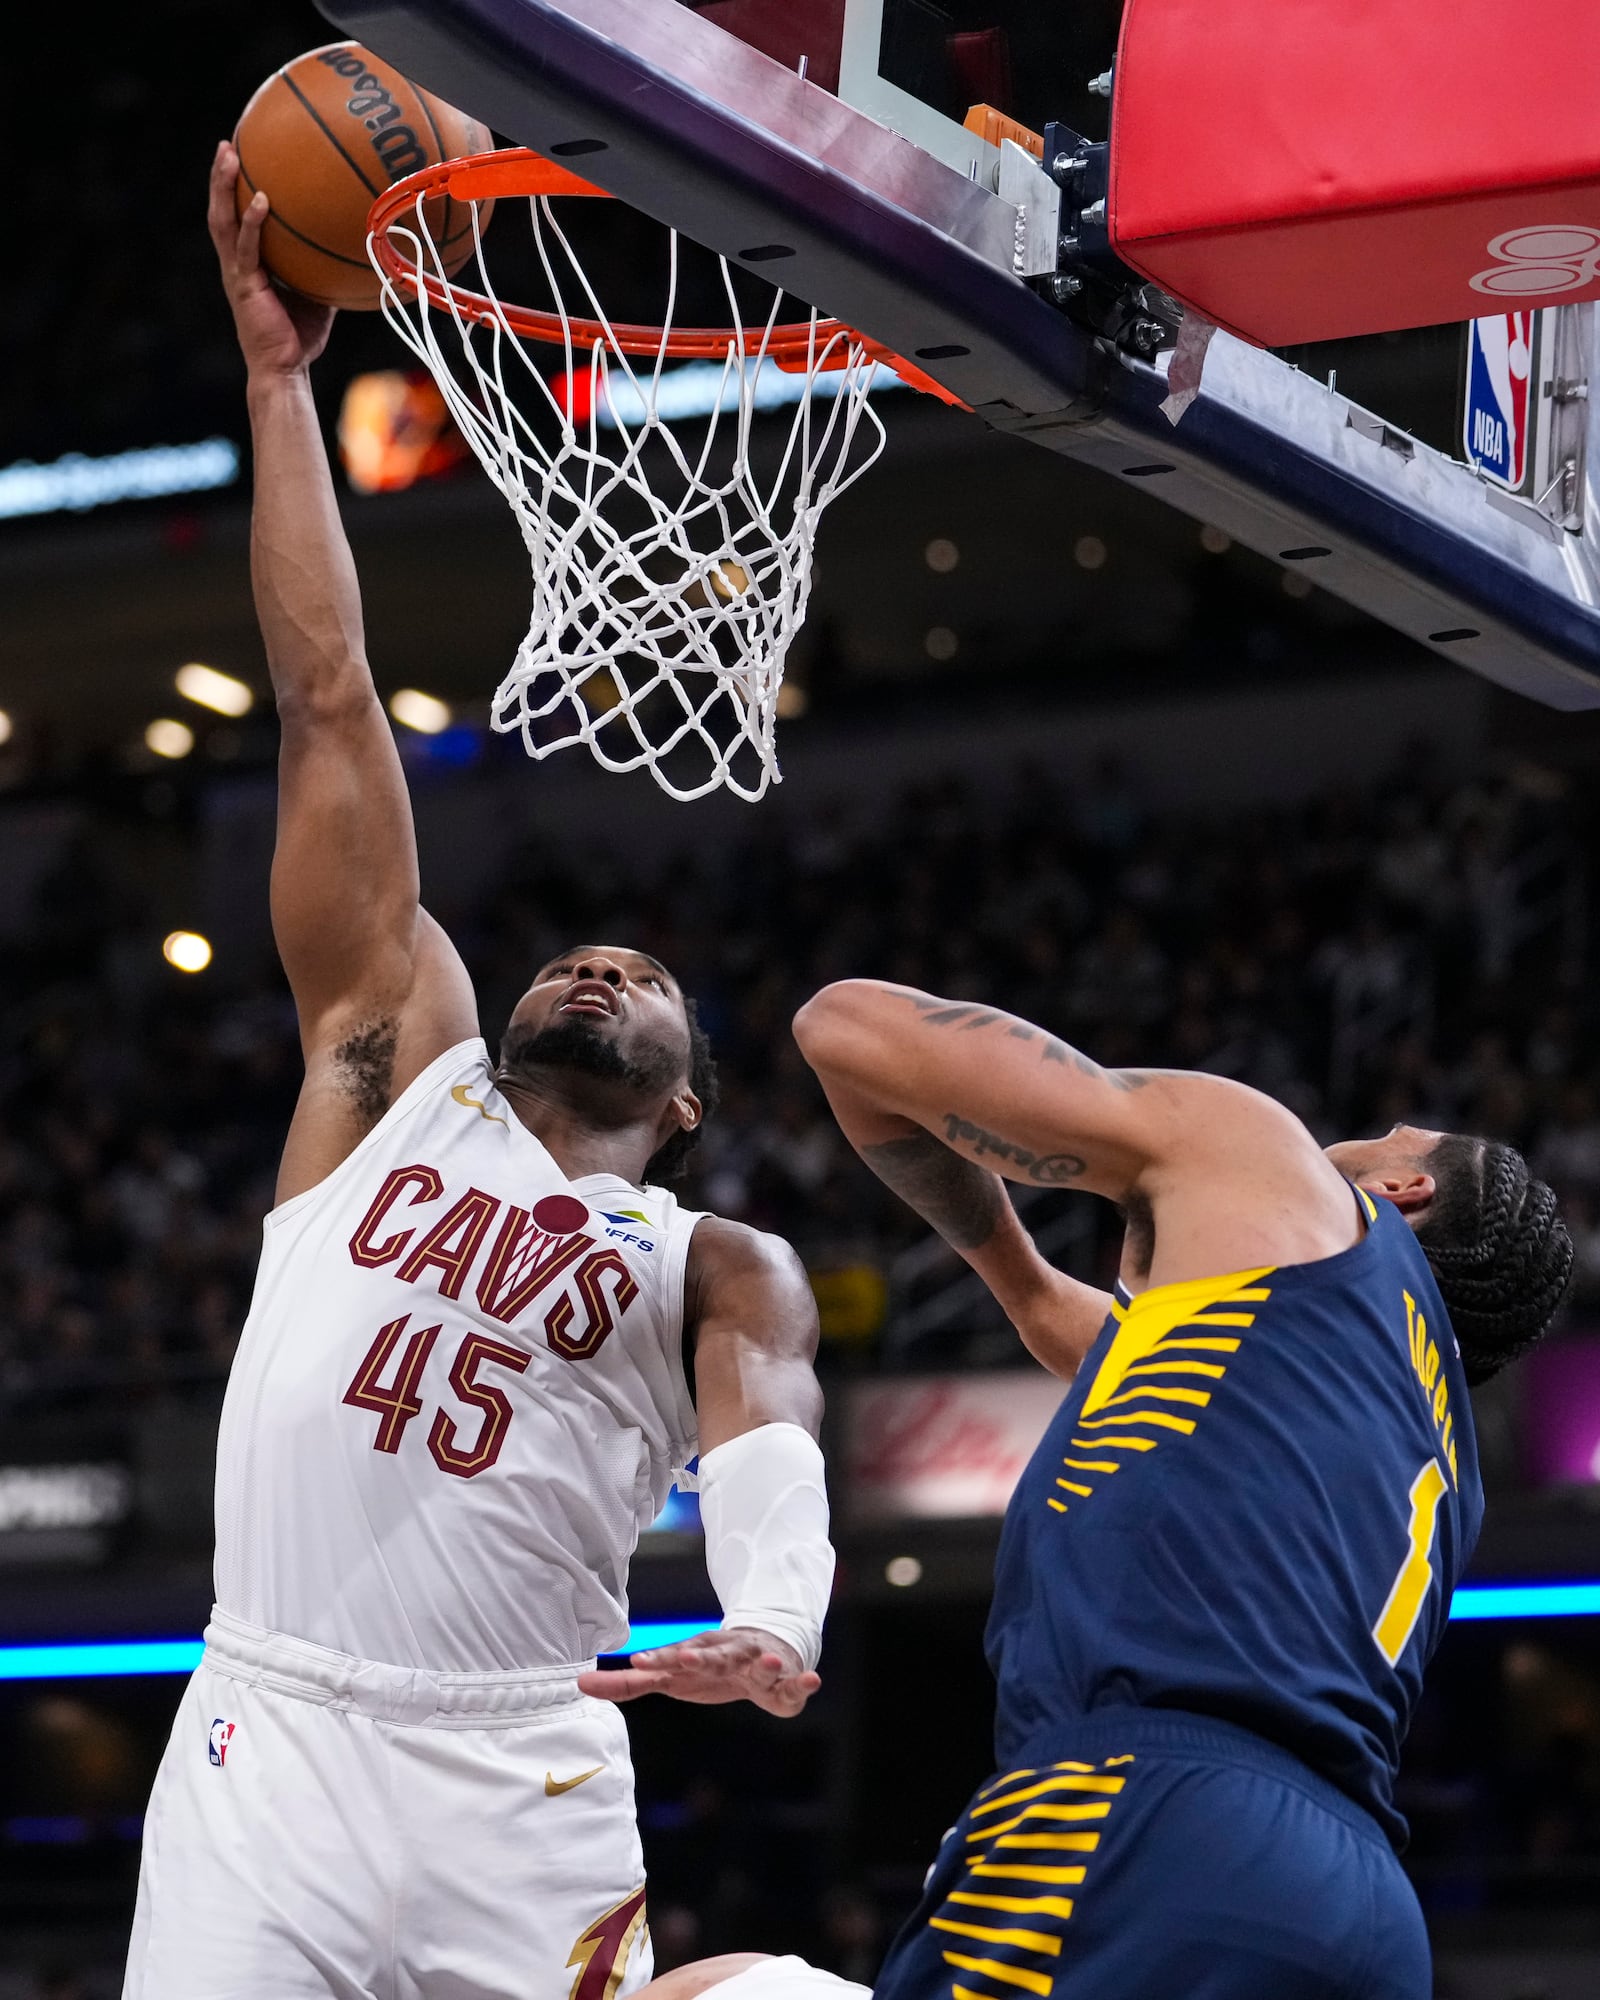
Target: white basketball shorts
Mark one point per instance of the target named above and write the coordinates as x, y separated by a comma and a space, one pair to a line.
325, 1826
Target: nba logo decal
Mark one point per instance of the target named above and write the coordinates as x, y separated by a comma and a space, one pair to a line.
221, 1737
1496, 419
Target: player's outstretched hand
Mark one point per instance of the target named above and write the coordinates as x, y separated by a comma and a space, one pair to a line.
279, 331
736, 1665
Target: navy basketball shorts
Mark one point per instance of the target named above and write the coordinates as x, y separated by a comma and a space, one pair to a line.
1159, 1856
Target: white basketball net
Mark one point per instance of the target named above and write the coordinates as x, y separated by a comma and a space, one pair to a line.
669, 577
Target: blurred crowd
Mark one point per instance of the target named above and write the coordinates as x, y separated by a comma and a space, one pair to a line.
1421, 950
1419, 953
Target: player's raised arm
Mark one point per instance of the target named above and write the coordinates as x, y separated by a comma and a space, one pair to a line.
943, 1099
378, 988
993, 1089
749, 1311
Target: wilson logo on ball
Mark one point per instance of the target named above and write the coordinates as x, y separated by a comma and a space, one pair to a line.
396, 145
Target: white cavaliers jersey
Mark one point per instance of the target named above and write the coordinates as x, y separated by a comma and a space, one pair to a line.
459, 1395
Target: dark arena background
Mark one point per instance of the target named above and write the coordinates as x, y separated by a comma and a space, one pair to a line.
1043, 743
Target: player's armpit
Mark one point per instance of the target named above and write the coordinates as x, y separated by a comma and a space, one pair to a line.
363, 1051
998, 1091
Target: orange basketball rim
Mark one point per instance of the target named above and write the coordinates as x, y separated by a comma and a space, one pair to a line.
796, 347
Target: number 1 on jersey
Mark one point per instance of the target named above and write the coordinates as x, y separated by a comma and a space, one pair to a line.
1398, 1618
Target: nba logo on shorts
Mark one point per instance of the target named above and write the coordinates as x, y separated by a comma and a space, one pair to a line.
221, 1737
1496, 420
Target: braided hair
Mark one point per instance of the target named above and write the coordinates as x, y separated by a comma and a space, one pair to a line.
1500, 1253
669, 1159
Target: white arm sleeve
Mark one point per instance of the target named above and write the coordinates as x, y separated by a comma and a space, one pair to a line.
765, 1512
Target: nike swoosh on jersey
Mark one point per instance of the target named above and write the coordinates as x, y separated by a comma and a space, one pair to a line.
554, 1786
459, 1093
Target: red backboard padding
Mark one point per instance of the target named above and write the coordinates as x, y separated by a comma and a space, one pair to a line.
1307, 169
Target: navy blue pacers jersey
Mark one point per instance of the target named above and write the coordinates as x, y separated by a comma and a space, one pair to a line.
1253, 1505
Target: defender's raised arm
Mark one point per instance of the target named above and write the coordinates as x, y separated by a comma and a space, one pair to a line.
945, 1098
378, 988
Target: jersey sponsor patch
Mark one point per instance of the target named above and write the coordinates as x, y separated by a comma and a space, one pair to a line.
622, 1222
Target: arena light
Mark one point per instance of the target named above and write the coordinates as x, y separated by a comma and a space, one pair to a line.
645, 1638
941, 555
208, 688
394, 429
37, 1499
75, 483
423, 712
168, 737
1526, 1600
188, 951
99, 1658
695, 390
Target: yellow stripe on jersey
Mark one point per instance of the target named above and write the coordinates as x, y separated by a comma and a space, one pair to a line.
1068, 1843
1093, 1809
1214, 1369
1157, 1393
1051, 1785
1025, 1871
1156, 1314
1008, 1975
1039, 1941
1158, 1417
1158, 1334
1017, 1906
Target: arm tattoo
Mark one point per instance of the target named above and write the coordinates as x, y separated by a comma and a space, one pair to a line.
1045, 1169
365, 1061
962, 1201
937, 1014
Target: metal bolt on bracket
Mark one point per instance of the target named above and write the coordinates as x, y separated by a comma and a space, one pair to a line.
1100, 86
1094, 215
1064, 286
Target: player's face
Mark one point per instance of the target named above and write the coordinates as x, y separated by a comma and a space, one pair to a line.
1400, 1151
611, 998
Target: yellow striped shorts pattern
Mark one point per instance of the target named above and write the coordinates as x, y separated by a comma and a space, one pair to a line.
1030, 1839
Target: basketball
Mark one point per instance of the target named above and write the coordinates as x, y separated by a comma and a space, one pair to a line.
324, 136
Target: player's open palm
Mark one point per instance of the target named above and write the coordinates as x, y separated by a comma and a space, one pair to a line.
278, 331
736, 1665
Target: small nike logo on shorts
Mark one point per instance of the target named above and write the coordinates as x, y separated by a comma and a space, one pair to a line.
554, 1786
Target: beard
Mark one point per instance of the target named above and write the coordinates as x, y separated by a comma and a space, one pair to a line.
578, 1044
